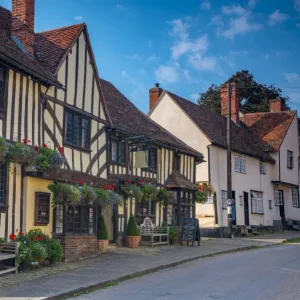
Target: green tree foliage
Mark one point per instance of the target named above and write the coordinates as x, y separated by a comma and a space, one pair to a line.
254, 96
132, 228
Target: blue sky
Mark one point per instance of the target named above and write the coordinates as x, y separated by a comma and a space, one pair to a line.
184, 47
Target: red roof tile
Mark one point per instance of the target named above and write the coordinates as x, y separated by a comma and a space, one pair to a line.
271, 127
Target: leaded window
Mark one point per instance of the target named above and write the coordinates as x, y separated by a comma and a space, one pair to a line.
42, 208
118, 149
240, 164
152, 159
278, 198
257, 202
290, 159
2, 88
77, 131
263, 168
295, 197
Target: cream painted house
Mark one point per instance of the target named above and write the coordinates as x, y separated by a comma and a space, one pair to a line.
265, 151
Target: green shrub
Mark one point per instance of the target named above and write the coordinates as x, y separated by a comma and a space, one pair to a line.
102, 233
172, 232
3, 240
132, 228
200, 197
54, 251
38, 252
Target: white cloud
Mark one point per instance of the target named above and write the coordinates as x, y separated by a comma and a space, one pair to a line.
291, 76
142, 72
252, 3
195, 96
276, 17
183, 47
187, 75
166, 74
217, 20
205, 5
134, 57
267, 56
297, 5
180, 29
200, 62
234, 10
153, 58
78, 18
120, 7
239, 26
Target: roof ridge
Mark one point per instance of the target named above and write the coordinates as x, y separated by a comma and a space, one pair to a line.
61, 28
270, 112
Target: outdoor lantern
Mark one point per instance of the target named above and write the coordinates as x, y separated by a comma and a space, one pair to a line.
241, 200
141, 159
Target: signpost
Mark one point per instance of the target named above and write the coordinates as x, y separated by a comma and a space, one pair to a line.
190, 231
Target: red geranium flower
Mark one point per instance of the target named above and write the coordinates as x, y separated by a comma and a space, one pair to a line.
21, 233
25, 141
36, 147
31, 239
36, 258
137, 184
39, 238
12, 237
28, 141
141, 181
81, 181
45, 146
74, 180
61, 150
127, 181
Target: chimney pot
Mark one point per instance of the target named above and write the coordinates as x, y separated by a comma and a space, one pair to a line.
235, 102
157, 84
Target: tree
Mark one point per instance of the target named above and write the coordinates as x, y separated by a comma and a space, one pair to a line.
254, 96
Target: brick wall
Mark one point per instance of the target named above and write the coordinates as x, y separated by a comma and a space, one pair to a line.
78, 247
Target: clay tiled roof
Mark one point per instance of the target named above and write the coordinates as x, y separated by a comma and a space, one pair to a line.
13, 55
52, 45
271, 127
126, 118
214, 126
177, 180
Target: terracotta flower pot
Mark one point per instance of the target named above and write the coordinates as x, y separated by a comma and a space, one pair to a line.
132, 241
103, 245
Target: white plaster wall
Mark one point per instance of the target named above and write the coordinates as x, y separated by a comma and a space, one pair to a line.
170, 116
252, 180
291, 143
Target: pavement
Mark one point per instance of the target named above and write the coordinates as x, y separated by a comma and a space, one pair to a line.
261, 274
120, 264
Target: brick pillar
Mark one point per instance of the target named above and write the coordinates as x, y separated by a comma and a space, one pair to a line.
154, 95
235, 102
22, 26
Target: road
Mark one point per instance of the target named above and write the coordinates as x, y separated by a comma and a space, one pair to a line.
270, 273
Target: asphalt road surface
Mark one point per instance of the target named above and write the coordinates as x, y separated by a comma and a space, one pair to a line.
269, 273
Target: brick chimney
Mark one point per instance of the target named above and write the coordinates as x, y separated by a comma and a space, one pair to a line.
276, 105
22, 26
154, 95
235, 102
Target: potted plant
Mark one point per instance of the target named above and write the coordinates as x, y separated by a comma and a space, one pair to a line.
131, 190
102, 235
21, 153
164, 196
172, 234
149, 191
88, 193
64, 193
132, 233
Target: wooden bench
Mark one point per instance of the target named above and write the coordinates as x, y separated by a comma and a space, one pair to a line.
8, 251
158, 235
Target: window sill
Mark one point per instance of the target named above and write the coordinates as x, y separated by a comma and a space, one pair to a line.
256, 213
145, 215
40, 224
240, 172
77, 148
293, 206
118, 163
149, 170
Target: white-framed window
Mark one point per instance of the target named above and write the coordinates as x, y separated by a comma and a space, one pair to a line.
240, 164
263, 167
257, 202
278, 198
209, 198
224, 199
295, 197
290, 159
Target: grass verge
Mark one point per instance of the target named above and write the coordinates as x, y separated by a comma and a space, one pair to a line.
290, 241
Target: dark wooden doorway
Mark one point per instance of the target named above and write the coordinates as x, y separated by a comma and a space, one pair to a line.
281, 206
233, 209
246, 208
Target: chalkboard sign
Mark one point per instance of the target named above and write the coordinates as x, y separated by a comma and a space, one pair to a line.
190, 231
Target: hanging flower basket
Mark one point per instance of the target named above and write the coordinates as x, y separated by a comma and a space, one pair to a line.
88, 193
131, 190
64, 193
149, 191
48, 158
21, 153
101, 197
165, 197
115, 198
3, 148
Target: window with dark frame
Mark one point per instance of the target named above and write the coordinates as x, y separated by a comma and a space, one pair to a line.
152, 159
2, 87
147, 208
42, 208
3, 176
263, 168
118, 150
290, 159
295, 197
77, 129
78, 220
177, 162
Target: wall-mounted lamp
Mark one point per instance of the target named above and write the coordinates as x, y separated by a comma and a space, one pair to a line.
270, 204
